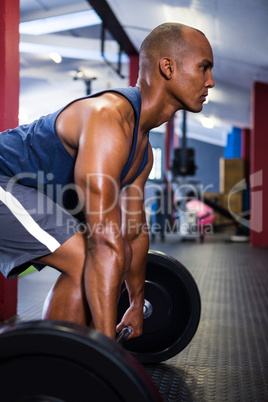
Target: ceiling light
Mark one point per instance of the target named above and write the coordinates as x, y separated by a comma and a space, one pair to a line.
79, 74
207, 122
69, 52
56, 57
60, 23
23, 116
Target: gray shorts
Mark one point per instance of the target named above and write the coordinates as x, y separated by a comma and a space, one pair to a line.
31, 226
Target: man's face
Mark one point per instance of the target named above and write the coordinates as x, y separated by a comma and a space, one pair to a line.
194, 76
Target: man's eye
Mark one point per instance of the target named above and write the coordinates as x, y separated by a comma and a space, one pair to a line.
204, 68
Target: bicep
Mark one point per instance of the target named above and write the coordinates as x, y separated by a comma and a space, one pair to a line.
99, 163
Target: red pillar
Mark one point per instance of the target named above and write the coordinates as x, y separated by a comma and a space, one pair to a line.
245, 150
9, 107
133, 69
259, 166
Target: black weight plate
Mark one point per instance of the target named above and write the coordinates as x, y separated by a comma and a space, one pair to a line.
59, 361
177, 328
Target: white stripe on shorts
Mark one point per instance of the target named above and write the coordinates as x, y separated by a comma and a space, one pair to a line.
27, 221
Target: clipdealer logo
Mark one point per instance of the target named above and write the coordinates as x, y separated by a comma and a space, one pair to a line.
256, 221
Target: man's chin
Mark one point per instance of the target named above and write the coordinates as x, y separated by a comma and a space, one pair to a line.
196, 109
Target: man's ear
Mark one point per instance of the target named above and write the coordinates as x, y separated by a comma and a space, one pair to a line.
166, 67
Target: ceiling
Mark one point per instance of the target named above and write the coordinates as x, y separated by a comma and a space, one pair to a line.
236, 29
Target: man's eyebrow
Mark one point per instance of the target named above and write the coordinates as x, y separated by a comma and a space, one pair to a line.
208, 62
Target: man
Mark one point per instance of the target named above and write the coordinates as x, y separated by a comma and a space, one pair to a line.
100, 144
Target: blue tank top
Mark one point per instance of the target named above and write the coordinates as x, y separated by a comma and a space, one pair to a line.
36, 156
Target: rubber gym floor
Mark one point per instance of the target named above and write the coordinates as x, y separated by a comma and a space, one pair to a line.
227, 360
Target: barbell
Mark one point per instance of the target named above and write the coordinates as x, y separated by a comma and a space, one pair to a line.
58, 361
172, 310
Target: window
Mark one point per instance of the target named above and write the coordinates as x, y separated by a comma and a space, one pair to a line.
156, 172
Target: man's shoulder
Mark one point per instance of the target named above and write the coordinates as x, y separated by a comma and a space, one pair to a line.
118, 97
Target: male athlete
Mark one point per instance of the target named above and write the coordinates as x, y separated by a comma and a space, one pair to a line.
94, 155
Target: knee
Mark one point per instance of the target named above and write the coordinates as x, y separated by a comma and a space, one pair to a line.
70, 257
75, 255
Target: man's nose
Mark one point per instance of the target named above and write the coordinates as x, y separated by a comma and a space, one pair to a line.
210, 81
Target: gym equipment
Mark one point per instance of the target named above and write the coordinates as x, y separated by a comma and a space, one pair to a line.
124, 334
184, 165
56, 361
184, 158
65, 362
171, 311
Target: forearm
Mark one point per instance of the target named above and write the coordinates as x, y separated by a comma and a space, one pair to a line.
136, 274
104, 275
